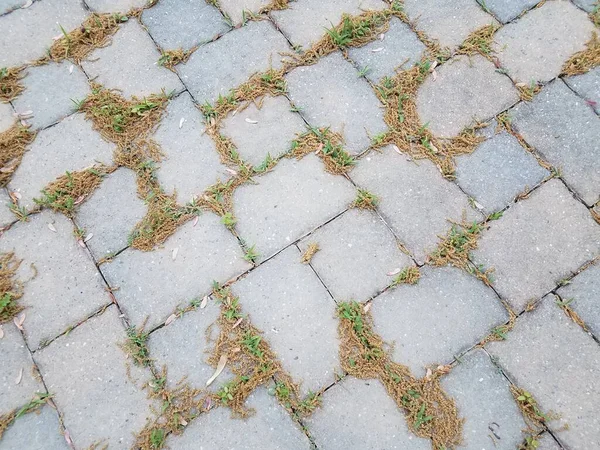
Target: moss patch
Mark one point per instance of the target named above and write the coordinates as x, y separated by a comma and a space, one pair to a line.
13, 143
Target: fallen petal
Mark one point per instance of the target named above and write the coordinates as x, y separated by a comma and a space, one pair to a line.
375, 50
27, 4
394, 272
52, 227
88, 237
367, 307
204, 302
19, 377
250, 120
195, 221
170, 319
181, 122
174, 254
81, 243
235, 325
1, 332
220, 367
231, 171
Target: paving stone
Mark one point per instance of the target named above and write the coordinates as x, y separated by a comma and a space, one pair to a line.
331, 94
304, 22
281, 208
445, 313
7, 6
588, 5
497, 171
357, 251
205, 252
97, 371
565, 131
183, 24
35, 432
49, 92
107, 6
466, 90
360, 414
401, 48
547, 442
587, 86
67, 287
550, 356
449, 21
271, 427
70, 145
110, 214
277, 127
7, 119
285, 299
236, 9
483, 397
415, 199
192, 162
130, 64
6, 216
507, 10
27, 33
530, 48
256, 47
538, 242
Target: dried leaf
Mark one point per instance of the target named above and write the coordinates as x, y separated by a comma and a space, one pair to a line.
27, 4
68, 439
170, 319
51, 227
443, 369
183, 422
249, 120
204, 302
433, 66
381, 37
235, 325
478, 205
429, 374
195, 221
220, 367
1, 332
394, 272
174, 253
18, 320
79, 200
375, 50
181, 122
434, 75
15, 196
319, 148
7, 169
19, 377
88, 237
396, 149
521, 84
81, 243
367, 307
231, 171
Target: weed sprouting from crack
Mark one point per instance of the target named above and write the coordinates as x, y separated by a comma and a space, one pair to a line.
327, 145
365, 200
585, 60
274, 5
500, 332
136, 346
532, 414
10, 83
409, 275
528, 91
479, 42
13, 143
311, 250
10, 289
565, 305
170, 58
35, 404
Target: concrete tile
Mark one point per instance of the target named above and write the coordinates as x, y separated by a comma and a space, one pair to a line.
587, 86
35, 432
507, 10
108, 6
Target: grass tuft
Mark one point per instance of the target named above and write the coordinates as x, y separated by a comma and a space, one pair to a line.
13, 143
10, 83
365, 200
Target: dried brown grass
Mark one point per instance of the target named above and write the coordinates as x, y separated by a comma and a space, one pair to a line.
10, 83
585, 60
13, 143
11, 289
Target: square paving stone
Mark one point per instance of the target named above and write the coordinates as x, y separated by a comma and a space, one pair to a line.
535, 47
236, 10
277, 127
507, 10
400, 48
192, 162
61, 283
445, 313
130, 64
415, 199
122, 6
360, 414
331, 94
183, 24
110, 214
566, 132
205, 252
538, 242
235, 57
357, 251
498, 170
70, 145
92, 383
35, 432
7, 118
483, 398
587, 86
288, 202
304, 22
466, 90
287, 302
49, 92
27, 33
551, 357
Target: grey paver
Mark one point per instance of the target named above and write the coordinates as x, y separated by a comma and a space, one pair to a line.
111, 213
537, 242
205, 252
97, 371
445, 313
7, 6
27, 33
122, 6
67, 287
35, 432
331, 94
304, 22
587, 86
558, 363
529, 48
400, 48
498, 170
357, 251
130, 64
234, 57
7, 119
588, 5
565, 131
281, 208
6, 216
183, 24
49, 92
285, 299
276, 128
70, 145
360, 414
466, 90
236, 9
483, 397
507, 10
415, 199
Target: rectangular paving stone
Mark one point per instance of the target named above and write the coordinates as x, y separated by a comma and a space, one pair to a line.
551, 357
528, 48
237, 10
95, 390
415, 199
587, 86
287, 302
445, 313
467, 89
331, 94
235, 57
130, 64
107, 6
566, 132
35, 431
507, 10
356, 252
283, 205
7, 118
538, 242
